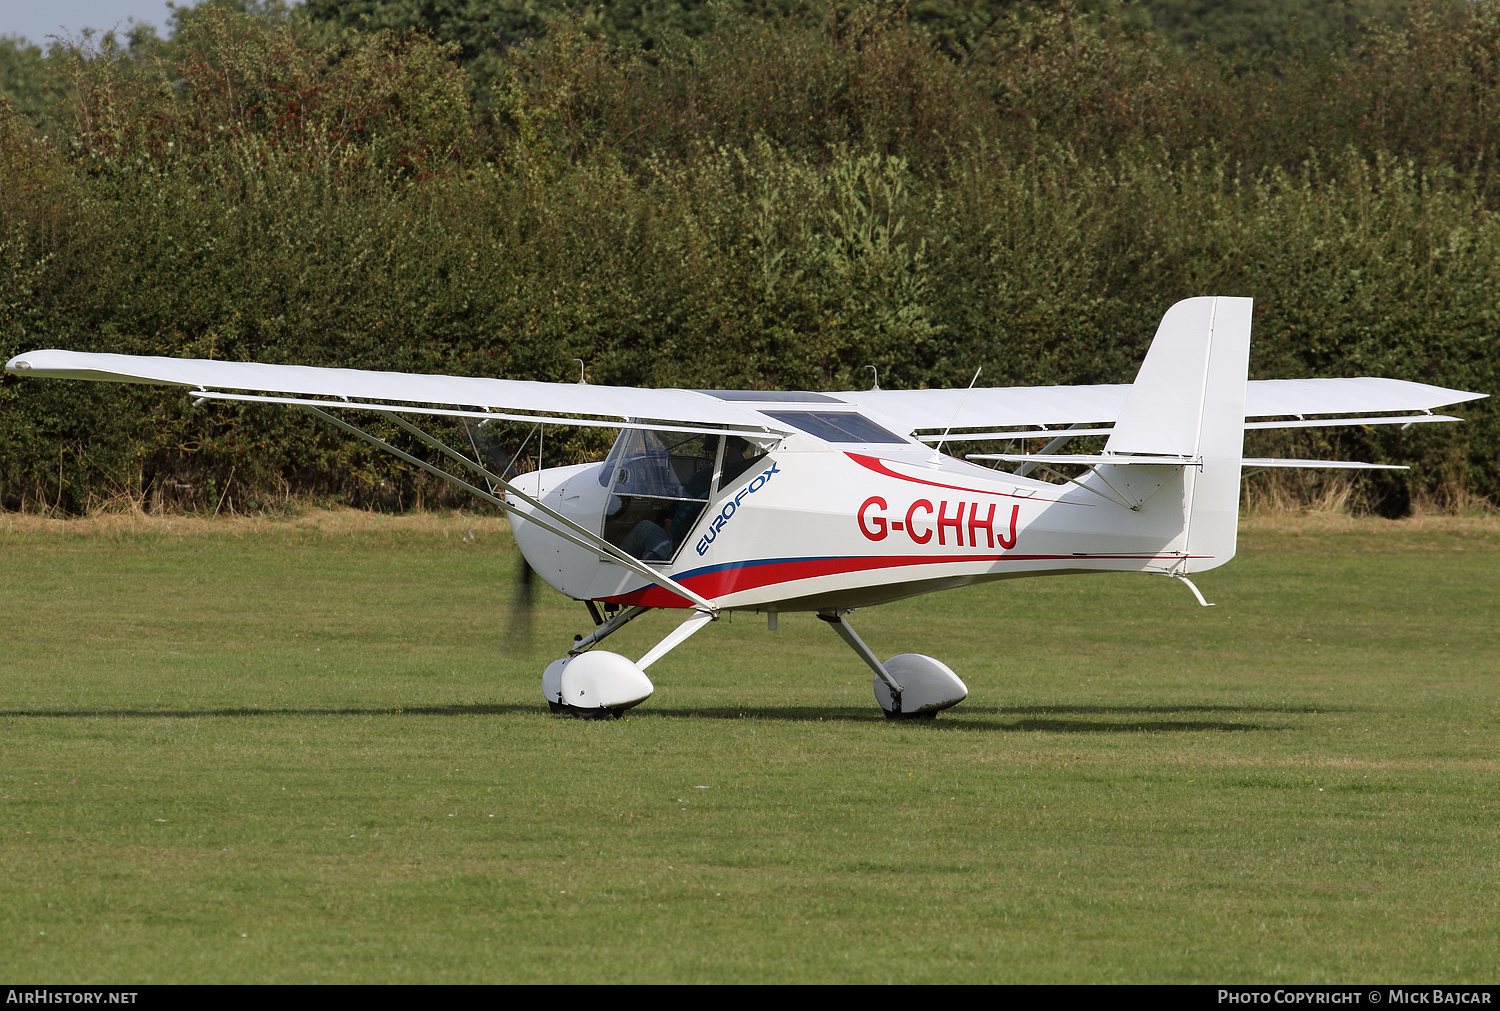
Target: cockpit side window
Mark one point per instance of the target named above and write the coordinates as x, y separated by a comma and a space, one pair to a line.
660, 482
739, 456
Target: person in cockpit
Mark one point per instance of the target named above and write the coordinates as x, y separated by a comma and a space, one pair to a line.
654, 541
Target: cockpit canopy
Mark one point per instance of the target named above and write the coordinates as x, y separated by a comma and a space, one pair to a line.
659, 483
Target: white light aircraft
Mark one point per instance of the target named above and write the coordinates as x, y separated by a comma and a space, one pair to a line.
733, 500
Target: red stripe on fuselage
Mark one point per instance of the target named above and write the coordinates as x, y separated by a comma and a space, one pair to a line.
749, 577
878, 466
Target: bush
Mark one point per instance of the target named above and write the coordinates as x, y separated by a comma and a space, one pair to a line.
772, 203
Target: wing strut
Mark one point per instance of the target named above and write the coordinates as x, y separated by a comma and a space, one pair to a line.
561, 525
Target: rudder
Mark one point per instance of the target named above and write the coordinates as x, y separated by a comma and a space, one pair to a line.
1188, 400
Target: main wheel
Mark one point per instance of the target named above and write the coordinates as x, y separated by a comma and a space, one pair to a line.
927, 687
598, 685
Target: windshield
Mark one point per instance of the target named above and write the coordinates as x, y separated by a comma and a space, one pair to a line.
659, 464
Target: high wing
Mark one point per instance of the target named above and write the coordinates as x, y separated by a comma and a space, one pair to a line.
1015, 408
520, 400
1025, 407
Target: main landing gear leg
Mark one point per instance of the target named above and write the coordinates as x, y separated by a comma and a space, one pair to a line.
600, 685
908, 686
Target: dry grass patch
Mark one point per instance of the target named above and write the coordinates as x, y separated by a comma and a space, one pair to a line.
311, 522
1332, 531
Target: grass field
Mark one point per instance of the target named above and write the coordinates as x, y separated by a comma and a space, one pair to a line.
314, 750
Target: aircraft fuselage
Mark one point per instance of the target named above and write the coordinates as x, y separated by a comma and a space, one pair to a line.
815, 527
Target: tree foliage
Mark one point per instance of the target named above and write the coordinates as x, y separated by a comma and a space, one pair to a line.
767, 201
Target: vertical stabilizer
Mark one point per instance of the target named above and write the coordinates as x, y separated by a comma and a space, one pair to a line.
1188, 400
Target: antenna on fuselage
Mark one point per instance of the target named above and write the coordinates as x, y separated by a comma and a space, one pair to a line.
937, 454
581, 381
876, 384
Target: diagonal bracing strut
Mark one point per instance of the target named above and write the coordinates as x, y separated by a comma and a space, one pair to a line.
563, 527
607, 629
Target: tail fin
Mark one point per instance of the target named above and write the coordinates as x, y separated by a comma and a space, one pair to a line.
1189, 400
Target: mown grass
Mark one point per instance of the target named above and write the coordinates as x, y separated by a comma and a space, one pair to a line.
315, 750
